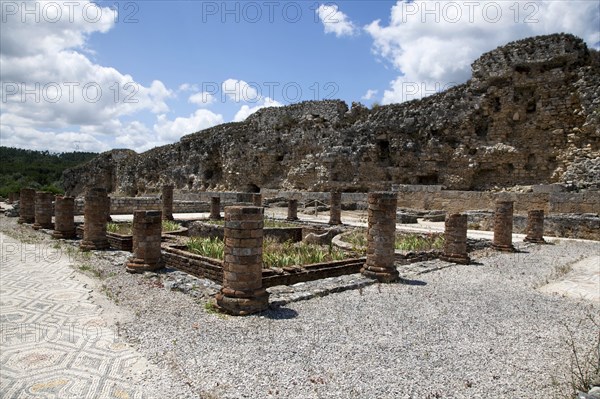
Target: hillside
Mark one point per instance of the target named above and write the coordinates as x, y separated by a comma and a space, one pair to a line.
26, 168
530, 114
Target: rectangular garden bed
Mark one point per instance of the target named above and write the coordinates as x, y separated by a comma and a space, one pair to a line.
177, 257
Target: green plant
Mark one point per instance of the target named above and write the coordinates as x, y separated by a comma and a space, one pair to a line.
275, 254
584, 364
209, 247
406, 242
169, 225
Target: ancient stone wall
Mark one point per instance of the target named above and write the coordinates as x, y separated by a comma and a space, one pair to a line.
528, 116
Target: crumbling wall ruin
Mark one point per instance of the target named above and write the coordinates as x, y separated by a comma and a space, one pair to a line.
529, 115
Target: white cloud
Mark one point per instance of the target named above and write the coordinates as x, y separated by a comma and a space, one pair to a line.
369, 94
240, 91
202, 98
173, 130
335, 21
52, 91
433, 43
187, 87
245, 111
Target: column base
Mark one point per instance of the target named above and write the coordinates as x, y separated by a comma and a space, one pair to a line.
23, 220
456, 258
504, 248
241, 303
292, 219
381, 274
215, 217
64, 234
38, 226
335, 222
136, 265
168, 217
535, 240
87, 245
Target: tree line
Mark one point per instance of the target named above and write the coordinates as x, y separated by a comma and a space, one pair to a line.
41, 170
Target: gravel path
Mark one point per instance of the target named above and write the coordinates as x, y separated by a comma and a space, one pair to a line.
475, 331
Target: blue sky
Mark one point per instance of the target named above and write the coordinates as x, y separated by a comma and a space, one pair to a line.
91, 76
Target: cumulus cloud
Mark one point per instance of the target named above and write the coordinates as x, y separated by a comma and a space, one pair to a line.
201, 99
51, 89
240, 91
369, 94
173, 130
335, 21
433, 43
245, 111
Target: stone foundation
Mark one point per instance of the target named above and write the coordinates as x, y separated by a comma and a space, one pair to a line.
503, 226
535, 226
455, 239
335, 210
27, 206
292, 211
147, 226
215, 208
64, 222
167, 202
381, 235
242, 291
43, 210
96, 213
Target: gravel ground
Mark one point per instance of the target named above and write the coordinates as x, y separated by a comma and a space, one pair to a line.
475, 331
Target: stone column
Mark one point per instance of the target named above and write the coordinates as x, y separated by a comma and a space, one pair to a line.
64, 217
11, 198
257, 199
503, 226
535, 226
335, 208
215, 208
455, 239
96, 211
292, 209
242, 291
27, 206
381, 236
147, 230
167, 202
43, 210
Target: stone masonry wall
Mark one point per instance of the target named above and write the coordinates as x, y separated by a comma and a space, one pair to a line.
529, 115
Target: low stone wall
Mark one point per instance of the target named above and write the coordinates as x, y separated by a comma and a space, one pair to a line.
126, 205
120, 242
586, 226
433, 197
195, 265
199, 266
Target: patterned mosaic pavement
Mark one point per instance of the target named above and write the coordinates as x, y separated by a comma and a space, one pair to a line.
54, 342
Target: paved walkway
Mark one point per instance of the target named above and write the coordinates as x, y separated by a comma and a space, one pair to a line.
54, 341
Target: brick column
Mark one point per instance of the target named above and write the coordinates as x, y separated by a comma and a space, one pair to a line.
292, 209
455, 239
43, 210
167, 202
215, 208
96, 212
27, 206
335, 208
257, 199
147, 230
381, 236
64, 219
11, 198
535, 226
503, 226
242, 291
